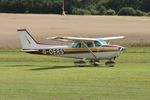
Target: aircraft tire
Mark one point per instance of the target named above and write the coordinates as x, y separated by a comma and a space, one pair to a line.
110, 63
80, 63
94, 63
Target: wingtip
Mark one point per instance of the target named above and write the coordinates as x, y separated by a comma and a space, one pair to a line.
123, 36
52, 38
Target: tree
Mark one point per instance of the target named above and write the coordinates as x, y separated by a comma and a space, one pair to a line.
55, 6
127, 11
118, 4
145, 6
110, 12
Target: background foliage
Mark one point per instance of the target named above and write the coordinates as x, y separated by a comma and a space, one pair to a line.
81, 7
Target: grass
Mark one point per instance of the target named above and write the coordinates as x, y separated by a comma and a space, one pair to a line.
35, 81
29, 77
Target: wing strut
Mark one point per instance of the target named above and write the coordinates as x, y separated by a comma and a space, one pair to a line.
90, 50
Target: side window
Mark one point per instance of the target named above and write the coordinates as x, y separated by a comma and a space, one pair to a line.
97, 44
76, 45
89, 44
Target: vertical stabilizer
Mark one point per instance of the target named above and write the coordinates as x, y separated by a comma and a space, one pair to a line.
27, 41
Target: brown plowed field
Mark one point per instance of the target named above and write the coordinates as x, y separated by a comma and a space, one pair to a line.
136, 29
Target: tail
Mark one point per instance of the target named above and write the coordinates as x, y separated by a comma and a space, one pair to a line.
27, 41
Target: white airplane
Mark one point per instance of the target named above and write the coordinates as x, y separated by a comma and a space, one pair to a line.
92, 49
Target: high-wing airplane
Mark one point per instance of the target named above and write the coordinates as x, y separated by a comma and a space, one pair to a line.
92, 49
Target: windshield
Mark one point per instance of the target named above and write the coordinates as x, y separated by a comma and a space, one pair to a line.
103, 42
100, 43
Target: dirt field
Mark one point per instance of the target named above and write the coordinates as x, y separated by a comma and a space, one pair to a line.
136, 29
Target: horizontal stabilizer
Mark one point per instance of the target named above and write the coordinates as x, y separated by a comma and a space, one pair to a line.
30, 50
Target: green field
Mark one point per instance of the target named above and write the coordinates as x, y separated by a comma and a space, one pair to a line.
31, 77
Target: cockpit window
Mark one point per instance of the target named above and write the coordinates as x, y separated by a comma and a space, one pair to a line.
92, 44
98, 44
103, 42
79, 45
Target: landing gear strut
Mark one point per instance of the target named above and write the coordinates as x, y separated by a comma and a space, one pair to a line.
110, 63
94, 62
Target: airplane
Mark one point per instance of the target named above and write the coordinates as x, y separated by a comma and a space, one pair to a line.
92, 49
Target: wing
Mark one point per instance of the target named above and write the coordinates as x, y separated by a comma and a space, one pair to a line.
72, 38
83, 39
112, 38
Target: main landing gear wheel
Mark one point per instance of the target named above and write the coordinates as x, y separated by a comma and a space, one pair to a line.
80, 63
110, 63
94, 62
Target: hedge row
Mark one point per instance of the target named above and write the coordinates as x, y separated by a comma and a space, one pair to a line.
125, 11
80, 7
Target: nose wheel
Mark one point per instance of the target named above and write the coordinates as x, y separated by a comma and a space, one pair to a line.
110, 63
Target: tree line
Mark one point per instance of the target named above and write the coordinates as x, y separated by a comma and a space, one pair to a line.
80, 7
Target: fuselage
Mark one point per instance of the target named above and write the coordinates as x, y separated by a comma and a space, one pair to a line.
104, 52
